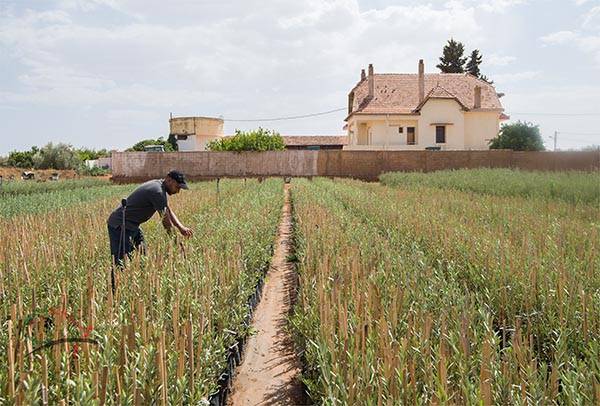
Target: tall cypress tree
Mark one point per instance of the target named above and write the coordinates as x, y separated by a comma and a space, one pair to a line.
473, 64
452, 60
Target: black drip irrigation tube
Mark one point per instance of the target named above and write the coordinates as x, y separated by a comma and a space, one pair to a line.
236, 351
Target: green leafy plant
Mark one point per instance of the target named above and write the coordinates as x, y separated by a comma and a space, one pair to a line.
139, 146
519, 136
22, 159
60, 156
259, 140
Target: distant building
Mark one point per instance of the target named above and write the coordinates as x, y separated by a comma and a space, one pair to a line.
315, 142
194, 133
422, 111
104, 162
154, 148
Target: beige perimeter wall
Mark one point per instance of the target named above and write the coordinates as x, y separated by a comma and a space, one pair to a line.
368, 165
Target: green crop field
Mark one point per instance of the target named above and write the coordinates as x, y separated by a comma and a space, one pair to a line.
423, 293
163, 337
458, 287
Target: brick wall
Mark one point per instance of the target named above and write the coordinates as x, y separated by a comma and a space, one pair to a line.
368, 165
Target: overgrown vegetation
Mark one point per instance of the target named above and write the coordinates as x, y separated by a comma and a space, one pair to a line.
573, 187
163, 338
60, 156
21, 198
519, 136
139, 146
259, 140
419, 295
22, 159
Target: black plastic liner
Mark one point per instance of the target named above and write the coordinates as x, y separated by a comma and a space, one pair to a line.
236, 351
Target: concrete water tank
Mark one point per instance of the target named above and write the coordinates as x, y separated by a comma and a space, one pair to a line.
193, 133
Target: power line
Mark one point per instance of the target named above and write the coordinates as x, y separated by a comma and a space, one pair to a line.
336, 110
577, 141
556, 114
288, 118
570, 133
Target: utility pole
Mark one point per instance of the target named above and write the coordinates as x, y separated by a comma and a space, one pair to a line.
555, 134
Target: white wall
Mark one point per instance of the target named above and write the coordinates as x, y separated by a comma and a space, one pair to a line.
480, 128
187, 145
104, 162
442, 111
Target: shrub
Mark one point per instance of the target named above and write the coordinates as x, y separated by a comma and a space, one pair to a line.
259, 140
61, 156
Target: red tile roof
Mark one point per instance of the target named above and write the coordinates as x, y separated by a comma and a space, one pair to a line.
399, 93
306, 140
302, 140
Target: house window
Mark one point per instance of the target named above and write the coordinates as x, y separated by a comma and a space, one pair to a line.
440, 134
400, 130
182, 137
410, 136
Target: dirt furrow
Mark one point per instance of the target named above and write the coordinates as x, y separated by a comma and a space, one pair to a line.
270, 370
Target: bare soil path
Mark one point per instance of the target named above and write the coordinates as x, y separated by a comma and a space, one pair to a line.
270, 371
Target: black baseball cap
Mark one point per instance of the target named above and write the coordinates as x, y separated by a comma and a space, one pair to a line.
179, 178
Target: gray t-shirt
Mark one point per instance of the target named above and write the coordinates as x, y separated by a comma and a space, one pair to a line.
147, 198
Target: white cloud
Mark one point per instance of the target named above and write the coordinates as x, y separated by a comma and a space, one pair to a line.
337, 12
499, 60
592, 18
506, 78
499, 6
591, 44
587, 43
559, 37
87, 5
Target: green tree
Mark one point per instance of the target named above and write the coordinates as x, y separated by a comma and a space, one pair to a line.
491, 82
452, 59
173, 141
159, 141
61, 156
22, 159
473, 63
259, 140
519, 136
87, 153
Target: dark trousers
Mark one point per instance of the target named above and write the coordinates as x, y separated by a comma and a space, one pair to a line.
123, 242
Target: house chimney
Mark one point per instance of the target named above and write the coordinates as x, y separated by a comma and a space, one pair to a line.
371, 82
363, 75
477, 104
421, 80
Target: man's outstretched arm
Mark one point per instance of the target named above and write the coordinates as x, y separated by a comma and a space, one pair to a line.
169, 219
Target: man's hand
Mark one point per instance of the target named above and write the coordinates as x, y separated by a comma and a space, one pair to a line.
188, 232
170, 219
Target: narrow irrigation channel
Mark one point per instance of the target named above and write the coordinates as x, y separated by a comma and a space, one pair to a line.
270, 370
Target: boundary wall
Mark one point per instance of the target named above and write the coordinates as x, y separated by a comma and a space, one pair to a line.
367, 165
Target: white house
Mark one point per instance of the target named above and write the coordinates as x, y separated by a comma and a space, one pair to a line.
453, 111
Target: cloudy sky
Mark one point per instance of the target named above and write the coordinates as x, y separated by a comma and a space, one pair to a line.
108, 73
